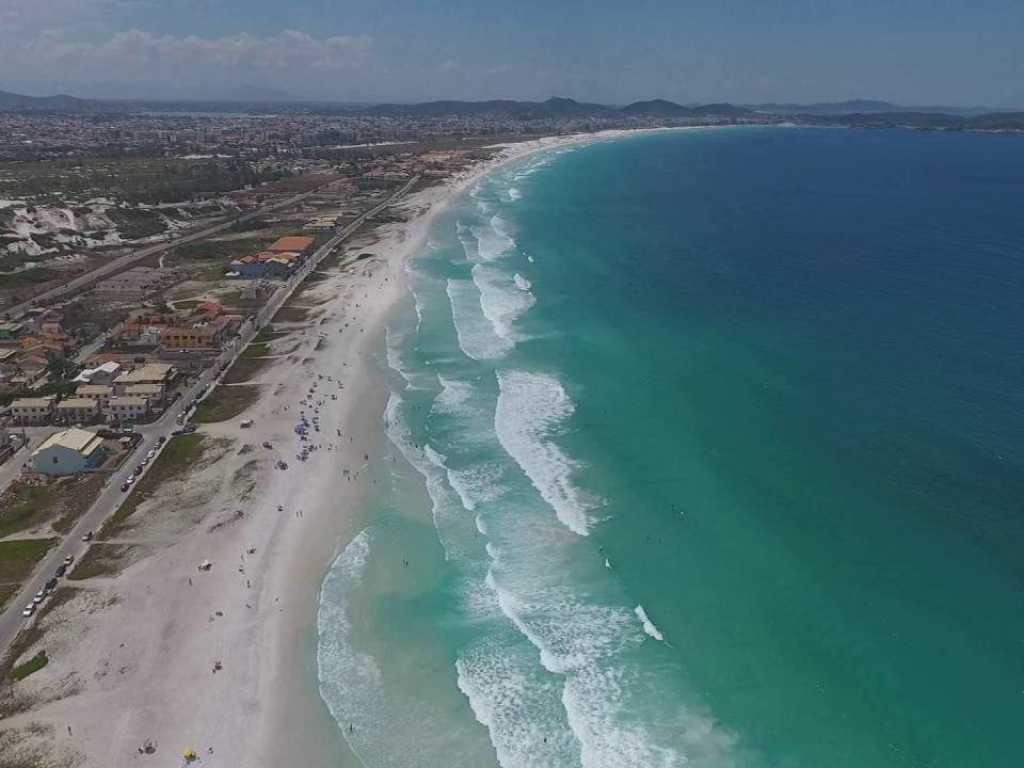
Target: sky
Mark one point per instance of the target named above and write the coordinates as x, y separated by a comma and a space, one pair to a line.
915, 52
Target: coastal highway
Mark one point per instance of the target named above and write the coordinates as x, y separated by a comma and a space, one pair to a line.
124, 262
111, 497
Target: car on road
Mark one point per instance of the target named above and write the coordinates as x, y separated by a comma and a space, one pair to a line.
69, 560
129, 480
162, 439
138, 469
125, 487
29, 610
87, 537
40, 596
151, 454
246, 424
268, 445
61, 570
51, 584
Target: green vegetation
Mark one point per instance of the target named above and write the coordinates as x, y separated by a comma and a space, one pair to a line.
134, 180
7, 591
134, 224
287, 314
244, 369
19, 557
226, 402
102, 560
37, 662
255, 349
267, 333
222, 250
28, 504
175, 461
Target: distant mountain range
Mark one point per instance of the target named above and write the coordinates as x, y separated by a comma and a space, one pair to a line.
61, 102
859, 112
864, 107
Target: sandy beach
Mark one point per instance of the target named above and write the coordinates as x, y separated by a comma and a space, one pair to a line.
221, 661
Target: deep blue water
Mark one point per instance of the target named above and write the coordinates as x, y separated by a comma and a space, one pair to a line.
721, 434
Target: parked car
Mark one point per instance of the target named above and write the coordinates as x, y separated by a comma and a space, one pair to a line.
51, 584
69, 560
29, 610
268, 445
125, 487
87, 537
161, 440
61, 570
246, 424
40, 596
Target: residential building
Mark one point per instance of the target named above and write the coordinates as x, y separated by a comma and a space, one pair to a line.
69, 452
127, 409
101, 374
154, 393
300, 244
150, 373
76, 410
29, 411
101, 393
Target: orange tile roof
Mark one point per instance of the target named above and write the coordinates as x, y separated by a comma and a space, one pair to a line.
292, 243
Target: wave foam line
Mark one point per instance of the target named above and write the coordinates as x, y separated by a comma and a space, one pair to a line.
530, 407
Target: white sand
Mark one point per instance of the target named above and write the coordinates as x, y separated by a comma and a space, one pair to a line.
132, 657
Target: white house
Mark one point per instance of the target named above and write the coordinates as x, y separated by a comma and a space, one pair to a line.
68, 452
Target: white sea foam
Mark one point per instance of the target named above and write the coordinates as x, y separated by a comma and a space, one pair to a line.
468, 241
349, 680
393, 347
521, 282
501, 301
454, 397
477, 337
445, 508
494, 239
531, 408
476, 484
520, 708
514, 194
648, 625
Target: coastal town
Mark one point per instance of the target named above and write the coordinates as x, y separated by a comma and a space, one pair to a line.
149, 347
192, 317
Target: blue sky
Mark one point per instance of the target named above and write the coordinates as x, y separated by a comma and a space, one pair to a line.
909, 51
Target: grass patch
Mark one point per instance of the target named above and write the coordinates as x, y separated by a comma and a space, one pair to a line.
31, 503
243, 370
9, 705
175, 460
226, 402
7, 591
288, 314
255, 349
37, 662
269, 333
102, 560
19, 557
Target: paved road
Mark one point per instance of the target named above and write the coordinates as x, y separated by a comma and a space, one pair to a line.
128, 260
111, 496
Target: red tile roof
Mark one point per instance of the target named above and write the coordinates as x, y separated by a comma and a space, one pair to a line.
292, 243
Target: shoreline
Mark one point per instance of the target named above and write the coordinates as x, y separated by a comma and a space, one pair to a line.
225, 660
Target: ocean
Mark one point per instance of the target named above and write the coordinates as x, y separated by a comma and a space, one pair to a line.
703, 448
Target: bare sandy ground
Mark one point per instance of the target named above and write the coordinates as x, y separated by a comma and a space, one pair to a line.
222, 661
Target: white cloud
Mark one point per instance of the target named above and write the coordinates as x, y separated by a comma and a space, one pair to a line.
134, 53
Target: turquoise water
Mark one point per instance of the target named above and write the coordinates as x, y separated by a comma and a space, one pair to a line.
704, 449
